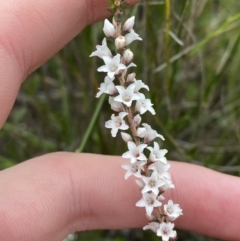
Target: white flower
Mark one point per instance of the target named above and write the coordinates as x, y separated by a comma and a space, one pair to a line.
102, 50
157, 154
135, 152
143, 105
163, 174
154, 226
128, 25
160, 167
130, 37
172, 210
120, 42
109, 29
107, 87
117, 123
149, 201
127, 95
148, 133
139, 85
166, 231
152, 183
112, 66
126, 137
133, 169
115, 105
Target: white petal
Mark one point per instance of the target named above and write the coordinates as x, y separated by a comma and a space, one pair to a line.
107, 60
141, 132
131, 146
102, 69
114, 132
111, 74
120, 89
122, 114
109, 124
127, 154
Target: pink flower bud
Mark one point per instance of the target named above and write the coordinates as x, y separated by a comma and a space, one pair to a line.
120, 42
129, 24
126, 137
127, 56
131, 77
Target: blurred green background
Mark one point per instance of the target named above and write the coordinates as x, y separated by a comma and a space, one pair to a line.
192, 68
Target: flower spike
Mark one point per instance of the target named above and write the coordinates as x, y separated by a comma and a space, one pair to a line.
150, 170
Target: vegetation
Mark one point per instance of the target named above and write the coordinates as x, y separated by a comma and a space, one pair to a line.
190, 60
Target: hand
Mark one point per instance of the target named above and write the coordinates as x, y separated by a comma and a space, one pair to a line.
48, 197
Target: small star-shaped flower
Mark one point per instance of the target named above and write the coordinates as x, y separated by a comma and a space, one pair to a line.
172, 210
157, 154
143, 105
113, 66
149, 201
166, 231
133, 169
152, 183
135, 152
117, 123
127, 95
163, 175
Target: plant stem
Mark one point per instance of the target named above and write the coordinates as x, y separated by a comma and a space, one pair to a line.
91, 124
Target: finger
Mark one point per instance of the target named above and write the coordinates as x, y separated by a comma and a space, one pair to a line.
50, 196
33, 31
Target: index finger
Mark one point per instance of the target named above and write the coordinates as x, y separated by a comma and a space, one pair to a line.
32, 31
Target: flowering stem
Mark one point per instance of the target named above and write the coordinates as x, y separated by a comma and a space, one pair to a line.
152, 172
132, 125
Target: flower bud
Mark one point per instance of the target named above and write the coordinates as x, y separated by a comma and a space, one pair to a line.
120, 42
127, 56
137, 120
126, 137
128, 25
109, 29
140, 183
131, 77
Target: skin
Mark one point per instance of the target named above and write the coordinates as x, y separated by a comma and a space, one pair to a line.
50, 196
